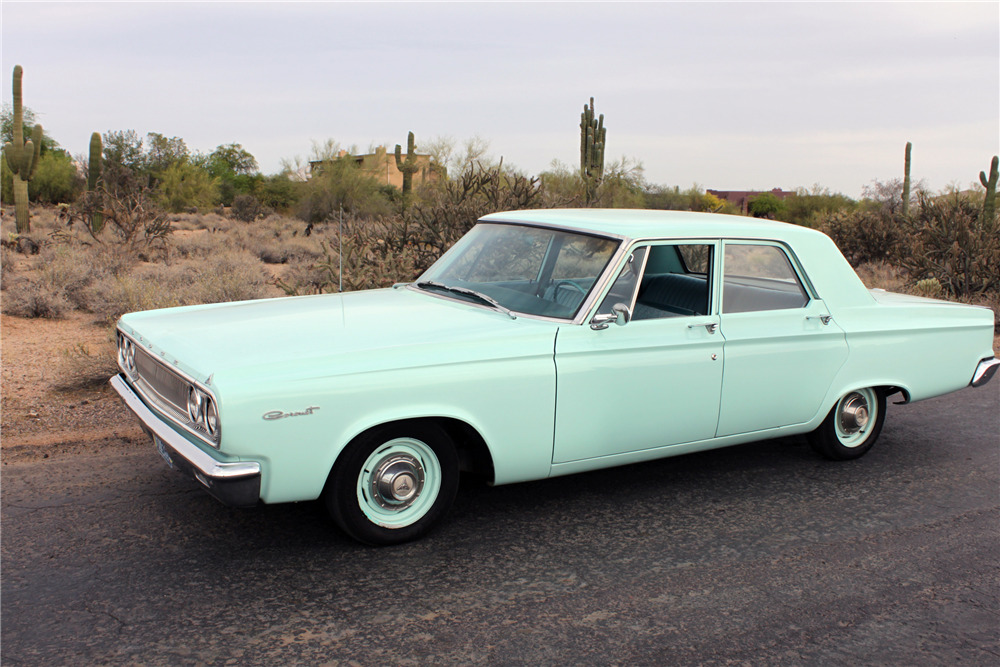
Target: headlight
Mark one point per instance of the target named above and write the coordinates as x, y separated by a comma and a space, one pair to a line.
203, 412
211, 417
196, 402
126, 354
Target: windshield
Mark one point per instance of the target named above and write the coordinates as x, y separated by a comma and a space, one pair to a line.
527, 270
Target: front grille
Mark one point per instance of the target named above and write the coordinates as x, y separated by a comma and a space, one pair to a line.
168, 389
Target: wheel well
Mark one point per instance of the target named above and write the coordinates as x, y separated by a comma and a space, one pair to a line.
473, 454
890, 391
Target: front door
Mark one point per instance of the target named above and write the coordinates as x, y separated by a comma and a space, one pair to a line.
655, 381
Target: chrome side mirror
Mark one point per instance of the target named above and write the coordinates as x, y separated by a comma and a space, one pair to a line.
620, 315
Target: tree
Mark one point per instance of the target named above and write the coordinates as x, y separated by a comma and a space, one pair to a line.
765, 205
235, 170
232, 158
164, 152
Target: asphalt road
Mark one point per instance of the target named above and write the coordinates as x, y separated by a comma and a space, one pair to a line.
761, 554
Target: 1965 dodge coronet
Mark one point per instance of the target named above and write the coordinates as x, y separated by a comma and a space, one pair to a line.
543, 343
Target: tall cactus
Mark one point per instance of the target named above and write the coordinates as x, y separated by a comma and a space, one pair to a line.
409, 166
96, 220
990, 202
906, 180
592, 136
22, 157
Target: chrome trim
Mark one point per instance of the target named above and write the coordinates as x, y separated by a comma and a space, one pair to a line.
149, 393
985, 371
198, 459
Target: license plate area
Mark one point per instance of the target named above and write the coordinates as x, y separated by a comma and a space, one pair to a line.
161, 447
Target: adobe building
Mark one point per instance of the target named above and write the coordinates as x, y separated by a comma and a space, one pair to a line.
382, 166
741, 198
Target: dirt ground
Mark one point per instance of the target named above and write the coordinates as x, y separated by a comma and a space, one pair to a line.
40, 418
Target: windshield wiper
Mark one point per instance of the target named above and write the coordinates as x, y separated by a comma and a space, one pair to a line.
469, 292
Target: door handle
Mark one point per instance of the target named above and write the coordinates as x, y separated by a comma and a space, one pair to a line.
710, 327
825, 319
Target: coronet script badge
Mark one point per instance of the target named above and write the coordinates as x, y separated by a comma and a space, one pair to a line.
278, 414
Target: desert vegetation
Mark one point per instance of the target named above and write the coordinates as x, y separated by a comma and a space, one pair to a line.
144, 222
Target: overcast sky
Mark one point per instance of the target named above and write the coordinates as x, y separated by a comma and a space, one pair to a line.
725, 95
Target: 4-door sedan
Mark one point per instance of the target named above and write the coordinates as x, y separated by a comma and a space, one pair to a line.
544, 343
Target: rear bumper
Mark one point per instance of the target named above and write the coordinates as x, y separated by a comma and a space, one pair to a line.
984, 372
235, 484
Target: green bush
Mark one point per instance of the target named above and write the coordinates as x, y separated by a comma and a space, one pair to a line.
342, 183
184, 186
56, 179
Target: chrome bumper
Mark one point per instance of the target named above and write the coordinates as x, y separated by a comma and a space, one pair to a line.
984, 371
235, 484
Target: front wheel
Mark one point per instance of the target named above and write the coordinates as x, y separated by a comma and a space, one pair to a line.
392, 484
852, 426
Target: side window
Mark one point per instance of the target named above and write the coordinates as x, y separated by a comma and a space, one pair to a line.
675, 281
759, 277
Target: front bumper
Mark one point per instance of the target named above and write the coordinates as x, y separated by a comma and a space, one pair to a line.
235, 484
986, 369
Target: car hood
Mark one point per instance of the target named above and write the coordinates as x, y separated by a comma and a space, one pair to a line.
330, 334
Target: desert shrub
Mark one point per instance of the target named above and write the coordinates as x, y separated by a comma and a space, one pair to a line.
70, 269
278, 192
8, 263
810, 208
947, 239
234, 275
156, 286
306, 277
246, 208
184, 186
870, 234
198, 243
342, 184
83, 367
27, 297
432, 227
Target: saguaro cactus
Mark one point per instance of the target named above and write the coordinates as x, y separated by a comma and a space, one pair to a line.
409, 166
990, 202
22, 157
96, 220
592, 135
906, 180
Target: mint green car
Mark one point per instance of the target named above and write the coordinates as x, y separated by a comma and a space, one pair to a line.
544, 343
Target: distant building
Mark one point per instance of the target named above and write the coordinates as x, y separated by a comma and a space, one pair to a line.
382, 166
741, 198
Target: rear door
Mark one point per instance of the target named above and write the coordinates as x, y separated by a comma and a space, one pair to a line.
782, 348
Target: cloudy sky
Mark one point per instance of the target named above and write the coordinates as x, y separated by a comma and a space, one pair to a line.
725, 95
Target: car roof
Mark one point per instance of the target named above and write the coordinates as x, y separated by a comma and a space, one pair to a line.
645, 223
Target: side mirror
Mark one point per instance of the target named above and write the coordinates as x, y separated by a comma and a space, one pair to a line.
620, 315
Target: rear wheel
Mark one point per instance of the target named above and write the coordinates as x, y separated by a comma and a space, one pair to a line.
852, 426
393, 483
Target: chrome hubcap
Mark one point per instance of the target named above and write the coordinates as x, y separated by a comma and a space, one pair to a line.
397, 481
854, 413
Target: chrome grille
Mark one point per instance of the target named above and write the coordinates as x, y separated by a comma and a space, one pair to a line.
166, 388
